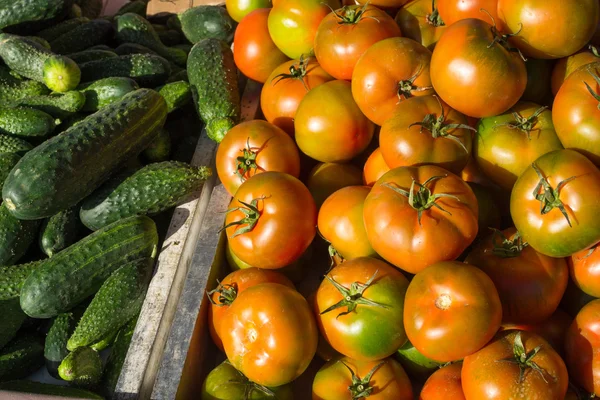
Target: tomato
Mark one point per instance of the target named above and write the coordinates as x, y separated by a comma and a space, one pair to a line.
390, 71
345, 34
567, 65
293, 24
424, 130
574, 299
474, 73
472, 173
374, 168
434, 228
489, 215
238, 9
327, 178
420, 21
384, 4
271, 220
414, 363
341, 223
554, 204
269, 334
255, 147
507, 144
285, 88
227, 383
445, 383
359, 308
329, 125
516, 365
539, 73
454, 10
548, 28
584, 268
575, 112
451, 310
344, 378
254, 52
582, 347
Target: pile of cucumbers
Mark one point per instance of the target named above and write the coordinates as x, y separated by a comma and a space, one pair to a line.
91, 160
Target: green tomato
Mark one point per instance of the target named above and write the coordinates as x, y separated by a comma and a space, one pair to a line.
415, 364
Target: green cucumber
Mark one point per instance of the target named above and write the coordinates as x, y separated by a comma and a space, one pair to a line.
82, 367
78, 271
118, 300
71, 121
12, 319
14, 12
207, 22
32, 387
170, 38
160, 149
55, 347
7, 163
132, 48
105, 91
26, 122
83, 37
137, 7
65, 169
61, 28
13, 88
60, 231
91, 8
91, 55
174, 23
213, 77
179, 76
116, 358
148, 70
132, 28
9, 144
61, 74
13, 277
185, 47
176, 94
21, 357
58, 105
16, 236
106, 342
41, 41
150, 190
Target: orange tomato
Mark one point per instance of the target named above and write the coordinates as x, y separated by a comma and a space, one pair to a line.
444, 384
584, 268
420, 21
374, 168
327, 178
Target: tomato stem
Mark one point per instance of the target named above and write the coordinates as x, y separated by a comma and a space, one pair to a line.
589, 88
505, 247
594, 50
351, 14
297, 71
361, 387
525, 124
227, 294
247, 161
524, 359
503, 39
252, 215
434, 18
407, 86
250, 387
549, 198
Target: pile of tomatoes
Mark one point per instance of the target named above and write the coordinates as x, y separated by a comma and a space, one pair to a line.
417, 211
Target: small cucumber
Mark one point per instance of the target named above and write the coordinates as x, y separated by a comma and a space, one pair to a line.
16, 236
160, 149
58, 105
14, 88
26, 122
32, 387
55, 347
176, 94
21, 357
82, 367
105, 91
60, 231
116, 358
9, 144
91, 55
148, 70
132, 48
7, 163
61, 28
83, 37
207, 22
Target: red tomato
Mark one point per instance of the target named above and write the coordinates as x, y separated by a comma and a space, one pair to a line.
451, 310
420, 21
285, 88
584, 268
254, 52
374, 168
254, 147
566, 66
444, 384
327, 178
390, 71
474, 73
238, 9
452, 11
329, 125
384, 4
271, 220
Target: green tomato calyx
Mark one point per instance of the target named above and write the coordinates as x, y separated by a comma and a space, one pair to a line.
594, 75
524, 359
247, 161
549, 197
297, 71
251, 217
251, 387
407, 86
526, 124
348, 15
505, 247
502, 40
361, 387
434, 18
227, 294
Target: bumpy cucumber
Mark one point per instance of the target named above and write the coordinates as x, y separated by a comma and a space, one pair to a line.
176, 94
14, 12
14, 88
82, 367
55, 347
7, 163
41, 41
105, 91
83, 37
48, 389
160, 149
206, 22
61, 28
26, 122
12, 319
9, 144
132, 48
60, 231
21, 357
15, 236
179, 76
58, 105
106, 342
148, 70
91, 55
170, 38
13, 277
116, 358
61, 74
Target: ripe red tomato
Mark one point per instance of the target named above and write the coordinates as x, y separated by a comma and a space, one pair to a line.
584, 268
238, 9
285, 88
345, 34
269, 334
582, 347
516, 365
424, 130
443, 384
359, 309
271, 220
554, 206
412, 234
327, 178
344, 378
390, 71
474, 73
452, 11
254, 52
254, 147
567, 65
329, 125
420, 21
374, 168
549, 28
451, 310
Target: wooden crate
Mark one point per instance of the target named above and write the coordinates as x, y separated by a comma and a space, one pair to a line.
178, 6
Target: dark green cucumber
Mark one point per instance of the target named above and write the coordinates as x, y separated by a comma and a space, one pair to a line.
150, 190
13, 277
60, 231
58, 173
106, 342
12, 319
16, 236
58, 105
71, 121
55, 347
91, 55
13, 88
176, 94
174, 23
137, 7
83, 37
118, 300
132, 28
79, 271
7, 163
9, 144
170, 38
185, 47
21, 357
160, 149
41, 41
26, 122
14, 12
90, 8
132, 48
213, 77
61, 28
82, 367
105, 91
48, 389
207, 22
116, 358
179, 76
148, 70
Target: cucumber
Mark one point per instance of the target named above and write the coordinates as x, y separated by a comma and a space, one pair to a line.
55, 346
132, 28
150, 190
13, 88
21, 357
12, 320
13, 12
106, 342
179, 76
61, 74
71, 121
207, 22
60, 231
119, 300
170, 38
116, 358
137, 7
148, 70
48, 389
16, 236
58, 105
132, 48
176, 94
13, 277
75, 12
59, 29
83, 37
90, 8
26, 122
41, 41
174, 23
160, 149
7, 163
82, 367
185, 47
213, 77
9, 144
91, 55
78, 271
105, 91
57, 174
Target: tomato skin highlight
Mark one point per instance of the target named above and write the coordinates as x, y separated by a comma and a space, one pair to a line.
238, 9
445, 383
584, 269
452, 11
